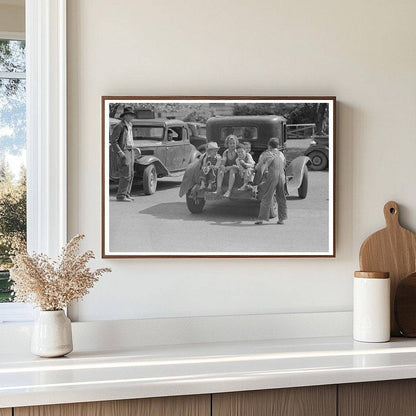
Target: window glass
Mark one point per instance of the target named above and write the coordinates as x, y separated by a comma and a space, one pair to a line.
243, 133
148, 132
202, 131
175, 134
12, 56
12, 156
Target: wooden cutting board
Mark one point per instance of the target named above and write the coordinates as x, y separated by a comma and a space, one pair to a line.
405, 306
393, 250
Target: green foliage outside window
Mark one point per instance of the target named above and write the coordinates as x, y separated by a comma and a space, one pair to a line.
12, 151
12, 223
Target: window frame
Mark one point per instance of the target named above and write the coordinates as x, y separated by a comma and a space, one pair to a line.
14, 312
12, 35
46, 125
46, 135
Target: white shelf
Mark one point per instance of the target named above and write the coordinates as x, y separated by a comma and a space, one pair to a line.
150, 371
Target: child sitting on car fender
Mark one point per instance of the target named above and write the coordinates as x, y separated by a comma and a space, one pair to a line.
245, 164
210, 165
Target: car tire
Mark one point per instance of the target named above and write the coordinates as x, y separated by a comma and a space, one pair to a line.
195, 205
274, 207
303, 188
150, 180
319, 161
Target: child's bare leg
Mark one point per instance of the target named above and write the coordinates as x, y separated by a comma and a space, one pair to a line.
231, 181
244, 187
220, 178
247, 177
211, 179
246, 180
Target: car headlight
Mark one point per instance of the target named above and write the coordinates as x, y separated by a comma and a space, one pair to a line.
313, 142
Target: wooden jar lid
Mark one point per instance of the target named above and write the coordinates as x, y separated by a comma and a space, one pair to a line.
372, 275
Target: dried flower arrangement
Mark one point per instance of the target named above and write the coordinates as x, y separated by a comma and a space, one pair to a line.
53, 285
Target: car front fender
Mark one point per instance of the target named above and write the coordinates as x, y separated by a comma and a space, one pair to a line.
295, 172
323, 149
147, 160
195, 154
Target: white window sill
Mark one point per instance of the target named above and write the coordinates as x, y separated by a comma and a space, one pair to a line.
16, 313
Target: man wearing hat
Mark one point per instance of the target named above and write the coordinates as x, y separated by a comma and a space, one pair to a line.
122, 144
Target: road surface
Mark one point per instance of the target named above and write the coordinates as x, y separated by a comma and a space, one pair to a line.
161, 223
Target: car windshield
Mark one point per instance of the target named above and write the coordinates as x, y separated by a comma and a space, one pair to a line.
201, 131
148, 132
243, 133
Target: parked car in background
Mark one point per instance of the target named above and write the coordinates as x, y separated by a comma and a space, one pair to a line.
318, 153
257, 130
198, 135
164, 149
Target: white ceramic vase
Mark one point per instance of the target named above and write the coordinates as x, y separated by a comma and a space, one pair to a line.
52, 334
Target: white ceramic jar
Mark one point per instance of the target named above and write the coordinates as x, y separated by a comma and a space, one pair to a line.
52, 334
371, 305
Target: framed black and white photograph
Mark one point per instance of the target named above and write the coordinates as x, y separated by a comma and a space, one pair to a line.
218, 176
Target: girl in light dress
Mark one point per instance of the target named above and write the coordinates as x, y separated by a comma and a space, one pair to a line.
228, 169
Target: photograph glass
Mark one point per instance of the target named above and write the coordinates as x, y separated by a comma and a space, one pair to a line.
218, 176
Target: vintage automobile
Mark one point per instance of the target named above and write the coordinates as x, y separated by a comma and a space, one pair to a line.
164, 149
198, 135
257, 130
318, 153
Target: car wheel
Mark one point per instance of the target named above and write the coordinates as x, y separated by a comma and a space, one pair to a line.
303, 188
273, 208
319, 161
150, 180
194, 204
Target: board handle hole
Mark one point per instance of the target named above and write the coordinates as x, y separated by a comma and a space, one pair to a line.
392, 211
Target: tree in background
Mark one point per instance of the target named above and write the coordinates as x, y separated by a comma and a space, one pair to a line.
12, 145
12, 223
196, 117
311, 113
184, 110
12, 56
12, 213
295, 113
12, 97
316, 113
6, 176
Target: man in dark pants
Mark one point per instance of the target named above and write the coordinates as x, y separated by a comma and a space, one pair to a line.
122, 144
272, 163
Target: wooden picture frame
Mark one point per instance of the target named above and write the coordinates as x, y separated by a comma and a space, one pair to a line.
167, 131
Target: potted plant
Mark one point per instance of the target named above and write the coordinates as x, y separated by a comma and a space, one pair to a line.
52, 285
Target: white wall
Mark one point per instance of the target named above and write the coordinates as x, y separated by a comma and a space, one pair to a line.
363, 52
